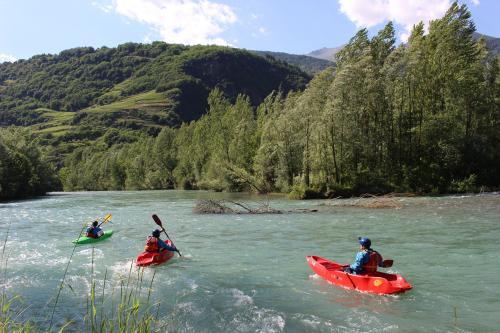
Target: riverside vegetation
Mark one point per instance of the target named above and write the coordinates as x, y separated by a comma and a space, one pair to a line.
419, 117
125, 304
24, 170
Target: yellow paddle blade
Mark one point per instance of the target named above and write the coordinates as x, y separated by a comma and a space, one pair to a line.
107, 218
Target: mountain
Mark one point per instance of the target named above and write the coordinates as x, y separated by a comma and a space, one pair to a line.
326, 53
492, 43
79, 93
308, 64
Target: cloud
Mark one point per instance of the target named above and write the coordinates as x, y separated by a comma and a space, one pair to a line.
475, 2
367, 13
180, 21
261, 31
105, 8
7, 57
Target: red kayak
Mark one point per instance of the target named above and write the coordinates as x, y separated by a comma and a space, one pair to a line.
154, 258
377, 283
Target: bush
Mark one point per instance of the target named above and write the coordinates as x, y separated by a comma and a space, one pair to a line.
466, 185
301, 192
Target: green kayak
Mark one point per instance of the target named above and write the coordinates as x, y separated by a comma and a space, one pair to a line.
88, 240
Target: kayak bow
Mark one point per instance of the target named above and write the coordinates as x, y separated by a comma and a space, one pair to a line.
88, 240
376, 283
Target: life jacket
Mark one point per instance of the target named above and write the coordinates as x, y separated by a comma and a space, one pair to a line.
372, 264
152, 245
90, 233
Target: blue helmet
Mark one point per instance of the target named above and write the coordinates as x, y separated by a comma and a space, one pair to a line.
366, 242
156, 233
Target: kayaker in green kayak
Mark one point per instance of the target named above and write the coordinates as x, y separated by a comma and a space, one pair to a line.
94, 231
367, 259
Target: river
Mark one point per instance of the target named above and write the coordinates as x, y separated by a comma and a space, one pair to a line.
248, 273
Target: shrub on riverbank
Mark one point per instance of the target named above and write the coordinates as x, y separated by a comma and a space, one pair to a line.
24, 170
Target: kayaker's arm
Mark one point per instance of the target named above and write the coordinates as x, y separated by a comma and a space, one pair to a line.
164, 245
361, 259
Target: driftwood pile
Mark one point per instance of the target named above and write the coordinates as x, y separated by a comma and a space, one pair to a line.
232, 207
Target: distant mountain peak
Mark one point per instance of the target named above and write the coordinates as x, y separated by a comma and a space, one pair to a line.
308, 64
326, 53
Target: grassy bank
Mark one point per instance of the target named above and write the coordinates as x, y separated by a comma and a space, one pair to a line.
124, 304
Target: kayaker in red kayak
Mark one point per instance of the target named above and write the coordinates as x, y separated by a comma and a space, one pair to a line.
94, 231
367, 260
155, 244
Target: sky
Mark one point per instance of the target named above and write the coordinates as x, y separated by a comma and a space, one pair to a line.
30, 27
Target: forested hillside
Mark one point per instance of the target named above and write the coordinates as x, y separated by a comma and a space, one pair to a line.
419, 117
119, 95
133, 86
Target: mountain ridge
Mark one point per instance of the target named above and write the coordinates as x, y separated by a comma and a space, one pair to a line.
135, 86
328, 53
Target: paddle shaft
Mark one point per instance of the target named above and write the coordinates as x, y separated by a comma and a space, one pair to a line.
350, 280
163, 229
158, 222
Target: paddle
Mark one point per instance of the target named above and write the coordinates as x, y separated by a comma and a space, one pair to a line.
158, 221
105, 219
347, 274
388, 263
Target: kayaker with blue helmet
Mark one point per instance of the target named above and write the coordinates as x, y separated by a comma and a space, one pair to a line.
94, 231
155, 244
367, 260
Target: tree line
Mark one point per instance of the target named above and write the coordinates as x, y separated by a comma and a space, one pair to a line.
422, 117
24, 171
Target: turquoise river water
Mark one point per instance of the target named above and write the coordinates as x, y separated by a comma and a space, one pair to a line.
248, 273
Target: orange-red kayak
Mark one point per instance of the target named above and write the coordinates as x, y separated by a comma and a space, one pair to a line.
154, 258
377, 283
